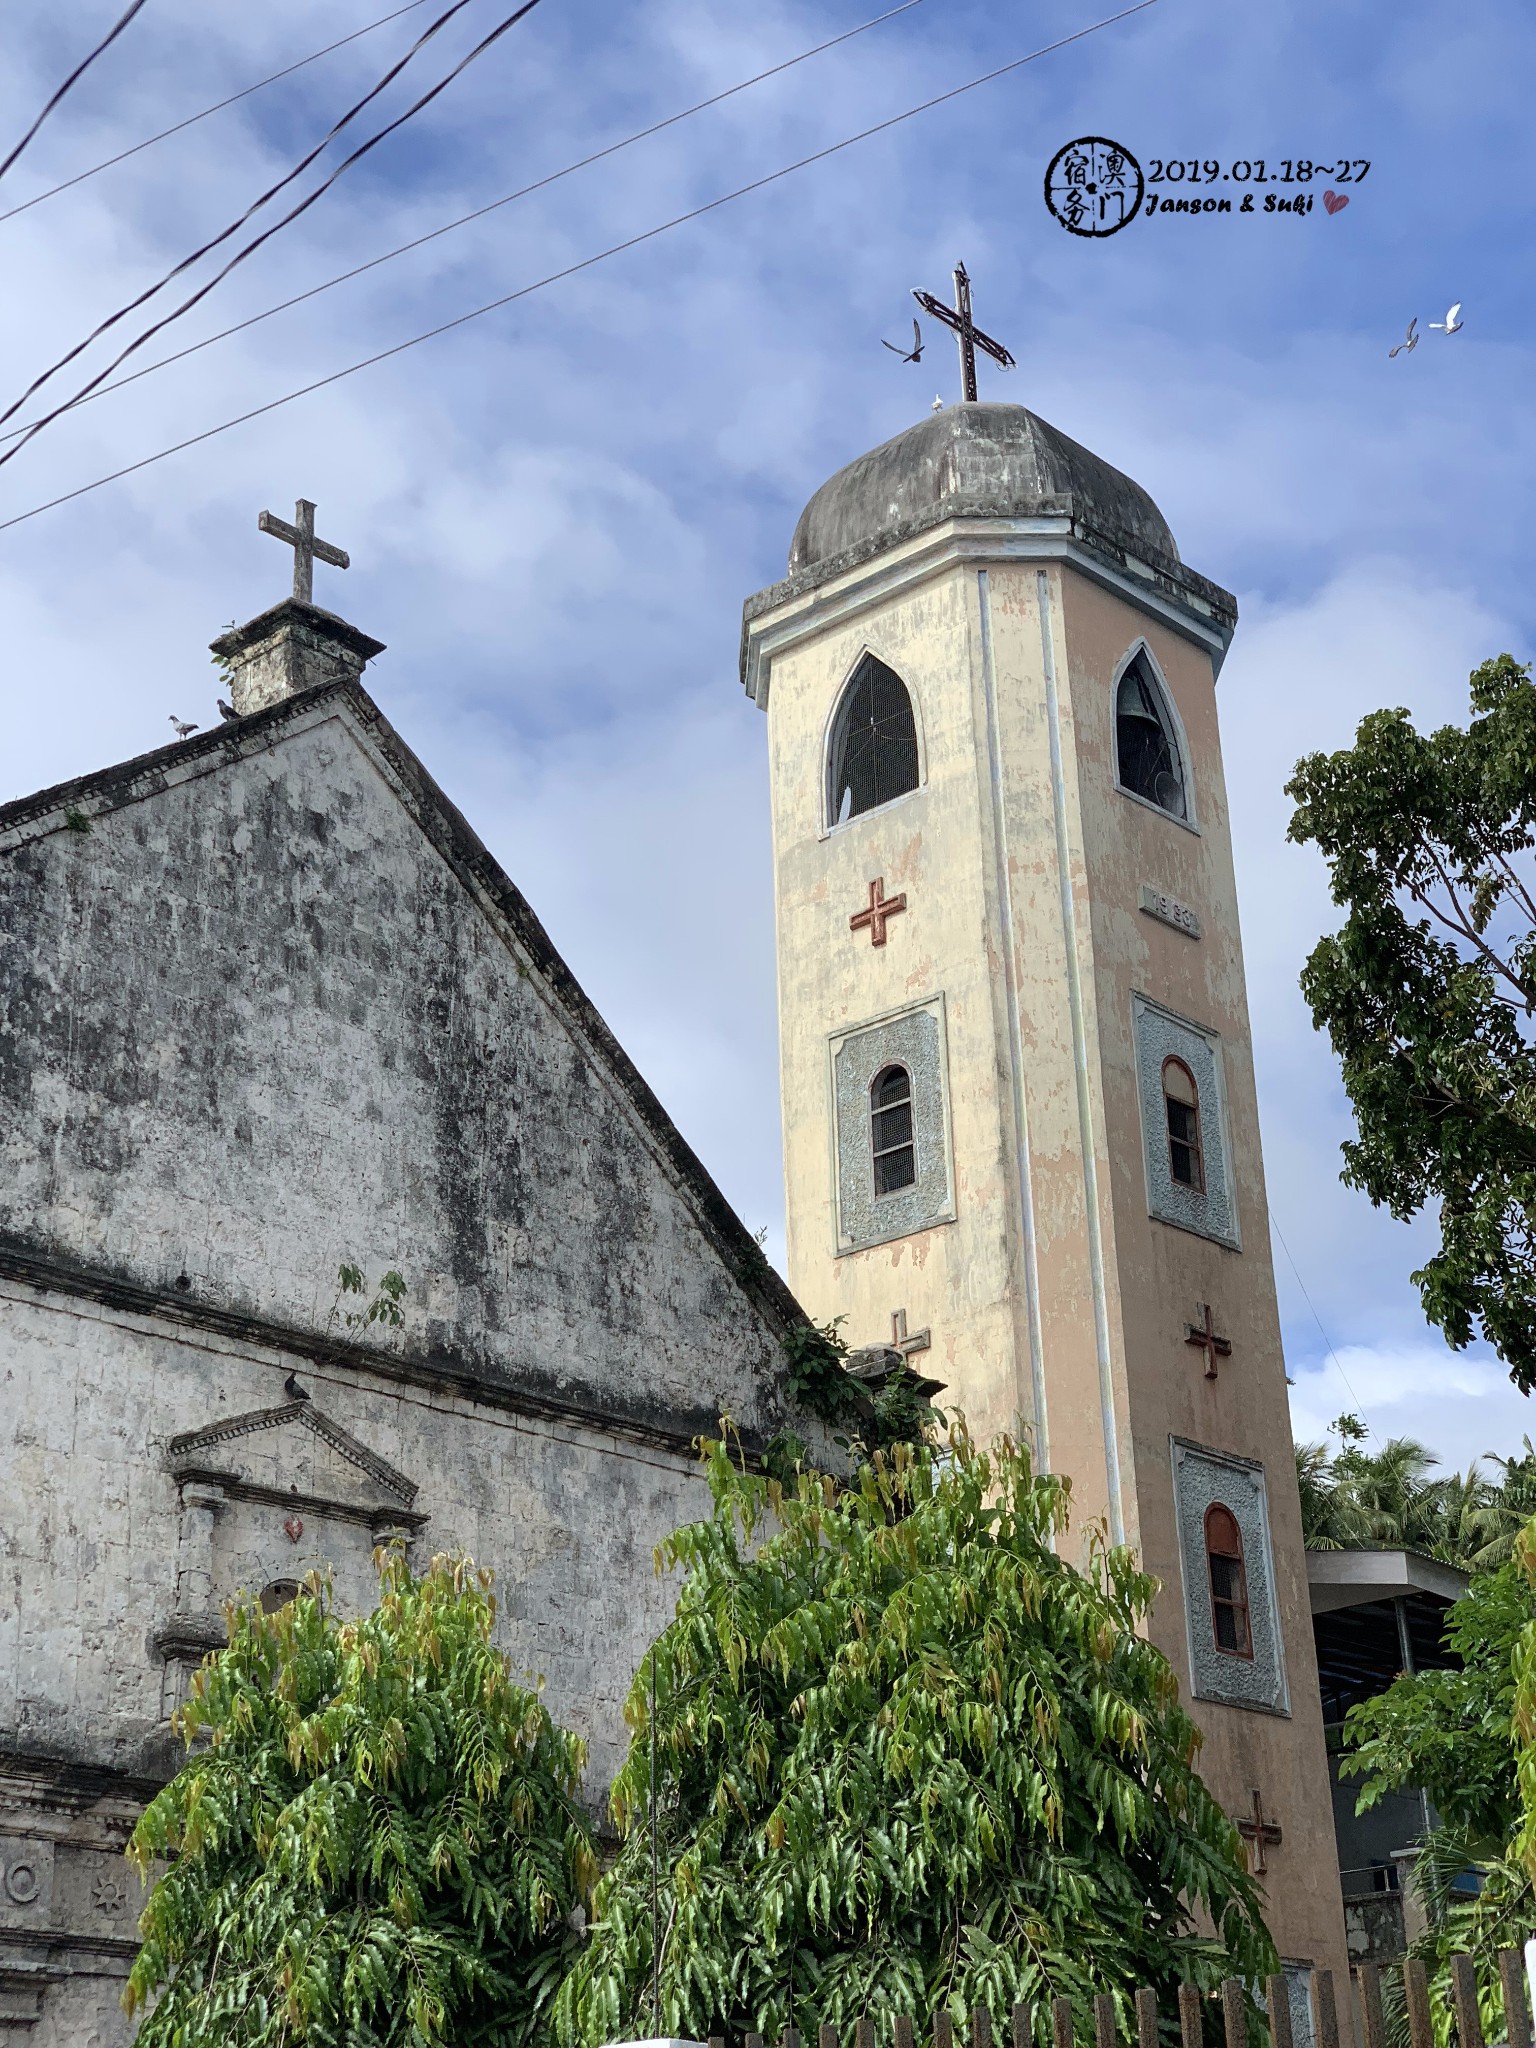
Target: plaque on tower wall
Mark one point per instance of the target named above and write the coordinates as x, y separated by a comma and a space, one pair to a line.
1235, 1652
881, 1192
1189, 1166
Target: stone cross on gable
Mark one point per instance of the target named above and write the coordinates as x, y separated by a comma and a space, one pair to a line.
918, 1340
306, 549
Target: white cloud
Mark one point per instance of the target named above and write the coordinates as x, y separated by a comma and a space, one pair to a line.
1463, 1408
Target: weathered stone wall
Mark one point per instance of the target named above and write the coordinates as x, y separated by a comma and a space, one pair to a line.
274, 1010
254, 1022
94, 1398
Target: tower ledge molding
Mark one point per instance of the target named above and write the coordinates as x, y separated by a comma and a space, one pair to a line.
804, 604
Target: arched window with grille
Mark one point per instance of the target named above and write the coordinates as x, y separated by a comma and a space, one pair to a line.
890, 1130
1229, 1582
1181, 1107
872, 752
1148, 760
278, 1594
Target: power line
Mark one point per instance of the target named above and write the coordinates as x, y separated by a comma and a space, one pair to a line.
234, 227
73, 79
538, 185
217, 108
587, 263
1327, 1345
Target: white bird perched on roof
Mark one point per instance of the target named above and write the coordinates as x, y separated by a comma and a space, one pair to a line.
1410, 340
183, 727
1450, 324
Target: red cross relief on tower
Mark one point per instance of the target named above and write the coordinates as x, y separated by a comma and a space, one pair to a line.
1257, 1832
880, 908
1203, 1336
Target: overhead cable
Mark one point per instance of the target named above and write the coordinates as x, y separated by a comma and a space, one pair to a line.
217, 108
73, 79
523, 191
586, 263
298, 170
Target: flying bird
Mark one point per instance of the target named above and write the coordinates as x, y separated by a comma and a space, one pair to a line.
1450, 324
1409, 342
227, 710
182, 727
916, 355
293, 1390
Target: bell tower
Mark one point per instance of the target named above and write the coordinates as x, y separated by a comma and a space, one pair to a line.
1020, 1132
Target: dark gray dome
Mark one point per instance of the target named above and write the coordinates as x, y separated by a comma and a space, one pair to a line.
973, 462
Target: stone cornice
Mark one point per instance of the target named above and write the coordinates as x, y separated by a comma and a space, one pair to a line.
533, 1391
788, 612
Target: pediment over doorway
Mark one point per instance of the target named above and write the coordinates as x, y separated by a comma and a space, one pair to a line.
297, 1456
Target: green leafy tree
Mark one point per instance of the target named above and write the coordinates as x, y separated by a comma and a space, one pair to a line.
375, 1835
908, 1755
1429, 990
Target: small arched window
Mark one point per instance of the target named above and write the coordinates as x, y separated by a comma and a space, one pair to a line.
278, 1594
873, 752
1229, 1582
1181, 1105
890, 1130
1146, 742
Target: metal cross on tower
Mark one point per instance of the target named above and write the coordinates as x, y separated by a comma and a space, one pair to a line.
306, 549
969, 335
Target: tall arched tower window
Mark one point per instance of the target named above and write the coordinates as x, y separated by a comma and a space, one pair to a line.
1181, 1104
890, 1130
1229, 1582
873, 751
1147, 757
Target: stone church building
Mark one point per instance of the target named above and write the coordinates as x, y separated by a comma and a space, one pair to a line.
267, 1006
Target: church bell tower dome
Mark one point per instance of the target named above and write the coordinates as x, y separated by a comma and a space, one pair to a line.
974, 462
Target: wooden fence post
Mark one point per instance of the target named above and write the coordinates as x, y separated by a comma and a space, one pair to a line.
1517, 2020
943, 2029
826, 2036
864, 2032
1023, 2027
1104, 2026
1416, 1996
1325, 2011
1234, 2017
1189, 2016
1372, 2021
1277, 1996
1146, 2017
1469, 2021
1061, 2022
981, 2028
905, 2032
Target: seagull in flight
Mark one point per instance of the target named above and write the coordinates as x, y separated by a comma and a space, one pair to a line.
183, 729
1451, 324
917, 346
1409, 342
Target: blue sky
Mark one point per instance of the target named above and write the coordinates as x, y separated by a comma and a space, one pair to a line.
555, 513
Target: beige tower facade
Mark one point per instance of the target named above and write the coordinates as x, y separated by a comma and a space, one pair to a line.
1020, 1129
